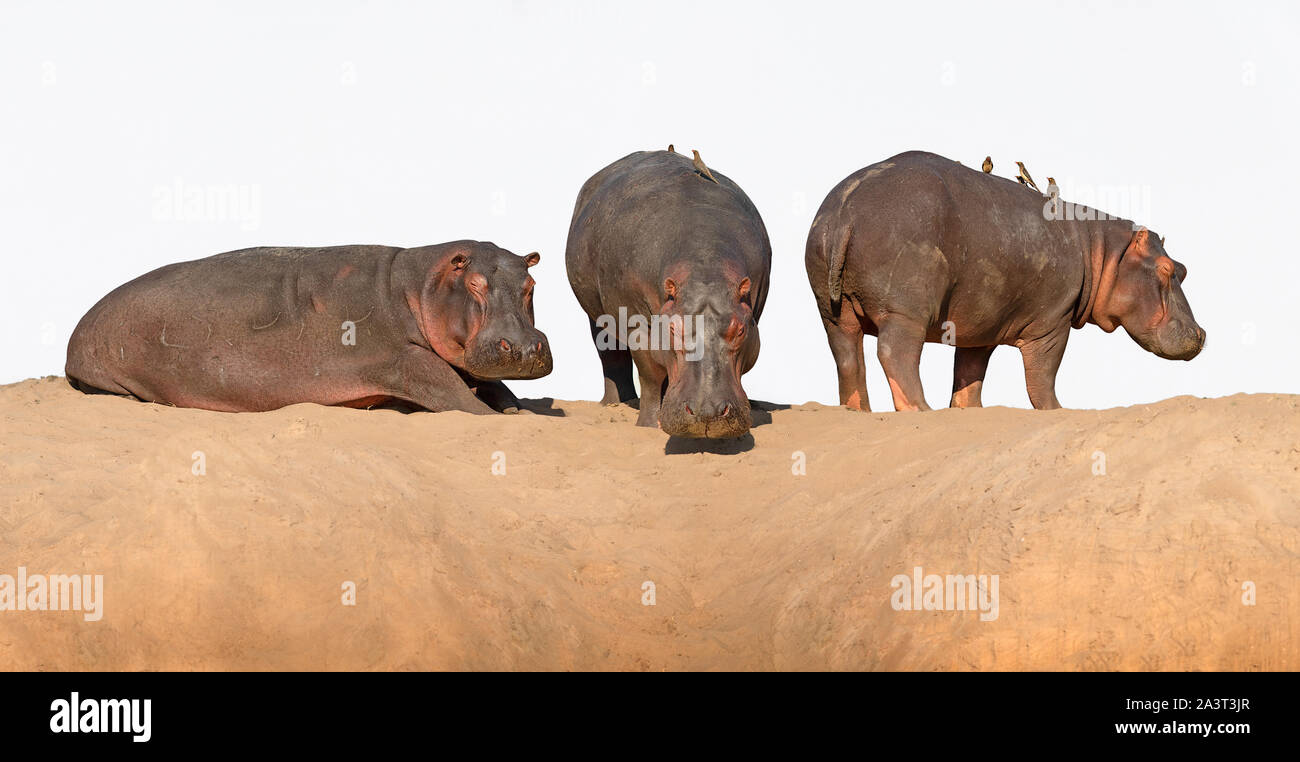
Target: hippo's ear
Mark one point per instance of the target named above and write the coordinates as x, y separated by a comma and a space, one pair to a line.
459, 262
1140, 244
743, 290
532, 259
670, 288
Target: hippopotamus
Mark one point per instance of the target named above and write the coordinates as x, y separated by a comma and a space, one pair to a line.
435, 327
919, 248
671, 264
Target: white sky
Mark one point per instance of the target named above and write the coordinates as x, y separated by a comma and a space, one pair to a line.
404, 125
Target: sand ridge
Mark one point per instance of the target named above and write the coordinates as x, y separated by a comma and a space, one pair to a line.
753, 565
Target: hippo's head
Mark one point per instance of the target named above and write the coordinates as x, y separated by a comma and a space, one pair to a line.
1145, 295
713, 340
478, 313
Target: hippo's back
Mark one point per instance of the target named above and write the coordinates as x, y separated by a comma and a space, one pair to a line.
917, 192
650, 206
919, 218
232, 311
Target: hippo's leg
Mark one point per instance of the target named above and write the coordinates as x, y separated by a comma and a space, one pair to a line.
118, 390
652, 390
968, 368
495, 395
1042, 359
845, 338
617, 367
898, 347
420, 377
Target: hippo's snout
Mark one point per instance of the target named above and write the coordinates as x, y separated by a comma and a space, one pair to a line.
535, 359
715, 418
1192, 347
710, 411
1180, 342
518, 357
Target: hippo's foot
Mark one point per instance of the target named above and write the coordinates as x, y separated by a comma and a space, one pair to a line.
856, 401
617, 368
617, 399
648, 417
86, 388
495, 395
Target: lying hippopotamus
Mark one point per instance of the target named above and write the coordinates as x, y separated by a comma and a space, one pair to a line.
671, 265
918, 248
435, 327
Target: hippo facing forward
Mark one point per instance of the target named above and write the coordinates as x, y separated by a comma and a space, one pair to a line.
436, 327
652, 237
918, 248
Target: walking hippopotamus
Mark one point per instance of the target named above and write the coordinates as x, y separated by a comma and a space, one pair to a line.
434, 327
919, 248
671, 263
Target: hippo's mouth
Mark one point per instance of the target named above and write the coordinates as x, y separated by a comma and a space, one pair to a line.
536, 368
1172, 343
731, 422
503, 359
1185, 355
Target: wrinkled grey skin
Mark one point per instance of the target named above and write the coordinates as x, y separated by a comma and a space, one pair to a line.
918, 248
651, 235
435, 327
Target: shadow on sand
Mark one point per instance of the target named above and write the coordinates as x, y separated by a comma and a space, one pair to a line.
542, 406
683, 445
760, 413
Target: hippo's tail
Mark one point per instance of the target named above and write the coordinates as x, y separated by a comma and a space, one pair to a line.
835, 264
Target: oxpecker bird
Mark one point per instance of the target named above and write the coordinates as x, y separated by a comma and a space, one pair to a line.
699, 166
1024, 177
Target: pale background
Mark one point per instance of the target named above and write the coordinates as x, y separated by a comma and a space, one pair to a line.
402, 124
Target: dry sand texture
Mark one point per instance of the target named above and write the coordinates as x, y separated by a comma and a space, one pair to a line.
753, 565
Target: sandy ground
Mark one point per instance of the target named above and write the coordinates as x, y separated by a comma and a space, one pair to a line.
753, 565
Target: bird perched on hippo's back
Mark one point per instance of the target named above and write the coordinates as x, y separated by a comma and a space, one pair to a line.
917, 249
1024, 177
700, 167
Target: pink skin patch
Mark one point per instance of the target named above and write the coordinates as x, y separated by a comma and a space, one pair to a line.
366, 402
900, 399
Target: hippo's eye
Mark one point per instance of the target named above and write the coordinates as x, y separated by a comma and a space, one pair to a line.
1165, 268
736, 330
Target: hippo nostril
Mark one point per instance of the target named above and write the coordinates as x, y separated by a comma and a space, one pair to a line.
689, 411
725, 409
505, 345
537, 347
